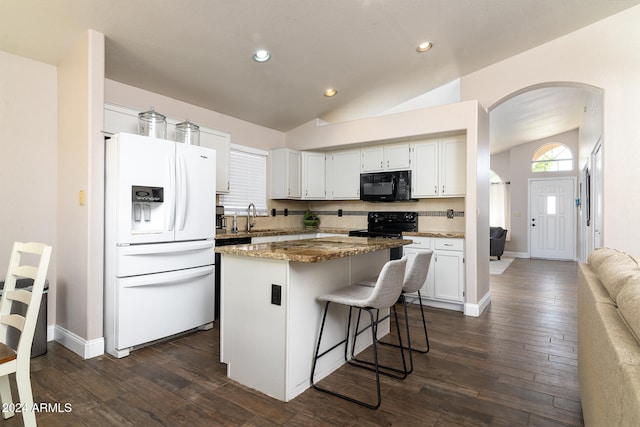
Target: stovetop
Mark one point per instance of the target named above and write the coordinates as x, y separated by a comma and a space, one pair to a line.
388, 224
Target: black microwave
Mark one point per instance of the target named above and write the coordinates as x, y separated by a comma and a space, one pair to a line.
385, 186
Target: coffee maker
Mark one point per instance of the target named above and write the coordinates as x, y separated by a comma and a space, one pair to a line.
221, 221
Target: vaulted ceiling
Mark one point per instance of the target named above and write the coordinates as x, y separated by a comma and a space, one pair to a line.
200, 51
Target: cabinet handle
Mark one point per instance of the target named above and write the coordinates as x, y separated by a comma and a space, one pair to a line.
443, 189
448, 244
435, 189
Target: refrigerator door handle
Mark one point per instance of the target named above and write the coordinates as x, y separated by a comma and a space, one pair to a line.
181, 206
170, 203
166, 279
169, 248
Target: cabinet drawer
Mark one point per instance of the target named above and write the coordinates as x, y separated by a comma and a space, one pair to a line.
419, 242
449, 244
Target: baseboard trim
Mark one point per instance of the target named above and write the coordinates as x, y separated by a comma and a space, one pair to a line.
517, 254
475, 310
86, 349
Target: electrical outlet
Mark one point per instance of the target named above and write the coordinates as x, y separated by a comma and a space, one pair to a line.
276, 294
339, 212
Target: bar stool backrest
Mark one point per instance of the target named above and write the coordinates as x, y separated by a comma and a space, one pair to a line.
388, 286
417, 271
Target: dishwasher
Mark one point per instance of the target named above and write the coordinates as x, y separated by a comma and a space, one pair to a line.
224, 242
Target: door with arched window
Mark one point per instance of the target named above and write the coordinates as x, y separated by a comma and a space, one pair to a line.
552, 204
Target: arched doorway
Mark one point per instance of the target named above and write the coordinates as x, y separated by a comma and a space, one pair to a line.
521, 122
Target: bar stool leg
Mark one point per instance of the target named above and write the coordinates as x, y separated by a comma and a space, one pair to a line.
375, 358
385, 369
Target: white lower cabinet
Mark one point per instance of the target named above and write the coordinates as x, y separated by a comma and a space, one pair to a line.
444, 286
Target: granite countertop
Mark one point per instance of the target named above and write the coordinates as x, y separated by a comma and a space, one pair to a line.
313, 250
439, 234
302, 230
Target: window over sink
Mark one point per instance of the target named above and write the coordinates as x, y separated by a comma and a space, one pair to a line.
247, 181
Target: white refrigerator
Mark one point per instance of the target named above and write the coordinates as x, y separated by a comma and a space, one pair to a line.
160, 200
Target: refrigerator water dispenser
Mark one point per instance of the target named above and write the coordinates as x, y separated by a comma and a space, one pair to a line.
147, 208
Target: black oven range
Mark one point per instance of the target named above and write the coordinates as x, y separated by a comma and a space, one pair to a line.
388, 225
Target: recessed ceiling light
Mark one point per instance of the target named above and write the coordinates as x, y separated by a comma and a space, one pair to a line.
330, 92
423, 47
261, 55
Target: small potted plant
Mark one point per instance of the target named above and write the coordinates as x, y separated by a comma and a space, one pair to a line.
310, 219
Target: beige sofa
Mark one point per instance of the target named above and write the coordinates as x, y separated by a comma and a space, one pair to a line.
608, 338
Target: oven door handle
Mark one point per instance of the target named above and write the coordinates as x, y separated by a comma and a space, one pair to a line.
393, 187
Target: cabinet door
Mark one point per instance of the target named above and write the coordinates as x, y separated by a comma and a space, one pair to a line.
424, 175
372, 159
313, 175
449, 276
343, 175
427, 290
120, 119
293, 174
285, 173
221, 142
397, 157
453, 152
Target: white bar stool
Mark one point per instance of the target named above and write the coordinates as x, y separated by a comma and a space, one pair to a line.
416, 275
382, 295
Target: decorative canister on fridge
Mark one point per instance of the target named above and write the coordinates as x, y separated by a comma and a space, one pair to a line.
152, 123
188, 132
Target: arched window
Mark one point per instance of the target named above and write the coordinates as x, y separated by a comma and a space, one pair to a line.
552, 157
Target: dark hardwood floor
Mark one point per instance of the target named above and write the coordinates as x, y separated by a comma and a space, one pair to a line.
514, 365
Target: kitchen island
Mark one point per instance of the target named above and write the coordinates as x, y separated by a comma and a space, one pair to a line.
270, 317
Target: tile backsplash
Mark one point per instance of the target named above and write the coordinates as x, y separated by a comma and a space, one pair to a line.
432, 214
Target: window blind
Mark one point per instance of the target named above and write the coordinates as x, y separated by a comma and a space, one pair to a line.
247, 179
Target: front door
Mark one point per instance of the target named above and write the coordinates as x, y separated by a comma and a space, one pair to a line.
552, 218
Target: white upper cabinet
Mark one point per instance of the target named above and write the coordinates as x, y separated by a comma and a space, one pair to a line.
123, 119
343, 175
424, 175
221, 142
453, 155
439, 168
285, 173
397, 157
372, 159
386, 157
313, 175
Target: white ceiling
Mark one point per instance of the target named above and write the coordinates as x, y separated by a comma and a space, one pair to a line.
538, 114
199, 51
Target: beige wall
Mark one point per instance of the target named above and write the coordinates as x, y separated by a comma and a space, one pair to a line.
605, 55
242, 132
28, 167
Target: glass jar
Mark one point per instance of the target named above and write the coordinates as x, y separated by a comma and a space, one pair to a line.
188, 132
151, 123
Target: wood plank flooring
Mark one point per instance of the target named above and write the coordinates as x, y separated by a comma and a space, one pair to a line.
514, 365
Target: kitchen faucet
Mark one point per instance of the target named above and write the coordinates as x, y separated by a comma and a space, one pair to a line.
255, 215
